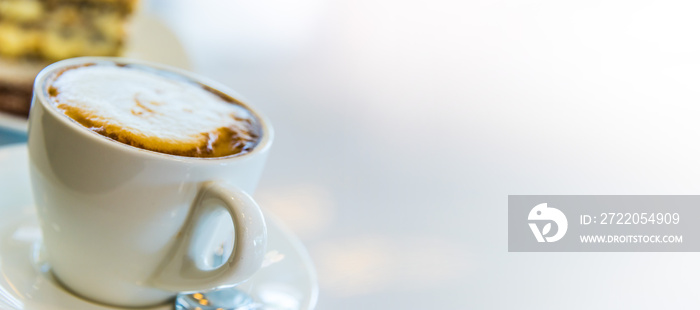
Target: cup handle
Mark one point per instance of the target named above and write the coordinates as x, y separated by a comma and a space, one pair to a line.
180, 273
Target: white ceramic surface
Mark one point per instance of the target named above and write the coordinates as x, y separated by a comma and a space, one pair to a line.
286, 281
150, 40
136, 218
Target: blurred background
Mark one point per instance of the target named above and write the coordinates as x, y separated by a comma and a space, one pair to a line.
403, 126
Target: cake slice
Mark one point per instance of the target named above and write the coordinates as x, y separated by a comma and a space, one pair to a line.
35, 33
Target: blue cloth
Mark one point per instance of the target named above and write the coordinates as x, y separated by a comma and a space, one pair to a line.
11, 137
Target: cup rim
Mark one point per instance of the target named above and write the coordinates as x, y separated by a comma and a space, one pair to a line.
40, 95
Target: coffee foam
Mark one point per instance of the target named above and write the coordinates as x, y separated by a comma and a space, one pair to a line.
153, 111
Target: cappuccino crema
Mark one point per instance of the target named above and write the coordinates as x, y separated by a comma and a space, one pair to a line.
154, 110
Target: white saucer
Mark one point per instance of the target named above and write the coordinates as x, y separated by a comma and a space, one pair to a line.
287, 281
150, 40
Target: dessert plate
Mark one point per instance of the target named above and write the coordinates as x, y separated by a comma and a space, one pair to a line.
286, 282
150, 40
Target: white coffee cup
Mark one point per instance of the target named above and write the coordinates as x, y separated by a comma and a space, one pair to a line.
123, 226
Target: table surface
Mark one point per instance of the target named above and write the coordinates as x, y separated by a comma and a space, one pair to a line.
402, 127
